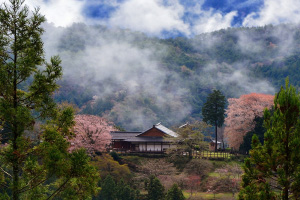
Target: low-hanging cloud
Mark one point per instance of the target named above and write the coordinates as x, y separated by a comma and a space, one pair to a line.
108, 64
107, 61
236, 79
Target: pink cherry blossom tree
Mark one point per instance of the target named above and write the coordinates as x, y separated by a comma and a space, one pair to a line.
92, 133
241, 113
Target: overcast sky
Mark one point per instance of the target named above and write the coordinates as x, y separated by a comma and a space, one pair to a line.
170, 17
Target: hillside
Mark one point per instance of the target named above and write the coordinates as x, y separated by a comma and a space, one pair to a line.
137, 81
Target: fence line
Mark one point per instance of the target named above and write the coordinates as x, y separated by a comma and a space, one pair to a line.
211, 154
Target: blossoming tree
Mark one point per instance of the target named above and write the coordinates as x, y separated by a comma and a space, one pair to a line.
241, 113
92, 133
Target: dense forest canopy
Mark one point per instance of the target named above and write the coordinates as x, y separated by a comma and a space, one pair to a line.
136, 80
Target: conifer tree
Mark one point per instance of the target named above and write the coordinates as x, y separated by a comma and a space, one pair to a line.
213, 111
41, 168
273, 170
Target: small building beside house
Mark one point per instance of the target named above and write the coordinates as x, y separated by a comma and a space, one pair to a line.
212, 145
156, 140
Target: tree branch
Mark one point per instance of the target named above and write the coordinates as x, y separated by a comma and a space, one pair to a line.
58, 189
6, 172
23, 189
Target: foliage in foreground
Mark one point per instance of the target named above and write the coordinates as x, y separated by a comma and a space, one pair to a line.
273, 170
38, 167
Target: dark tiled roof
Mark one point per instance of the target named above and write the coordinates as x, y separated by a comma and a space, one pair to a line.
166, 130
121, 135
147, 139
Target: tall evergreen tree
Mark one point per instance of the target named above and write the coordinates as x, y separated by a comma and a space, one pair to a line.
213, 111
272, 171
28, 166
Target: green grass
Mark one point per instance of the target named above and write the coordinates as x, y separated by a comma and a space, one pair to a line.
205, 195
214, 174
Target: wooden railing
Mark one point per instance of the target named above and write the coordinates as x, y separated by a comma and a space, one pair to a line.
220, 155
139, 151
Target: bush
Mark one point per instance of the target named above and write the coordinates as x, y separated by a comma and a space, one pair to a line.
199, 167
134, 159
174, 193
115, 156
179, 161
108, 166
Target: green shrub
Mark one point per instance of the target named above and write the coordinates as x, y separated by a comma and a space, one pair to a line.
115, 156
179, 161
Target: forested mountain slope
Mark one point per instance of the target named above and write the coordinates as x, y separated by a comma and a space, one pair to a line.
136, 80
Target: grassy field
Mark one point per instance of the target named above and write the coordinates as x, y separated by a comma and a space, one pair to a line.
208, 196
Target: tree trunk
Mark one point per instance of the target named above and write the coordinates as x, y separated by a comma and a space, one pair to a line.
190, 154
216, 141
15, 164
286, 167
15, 192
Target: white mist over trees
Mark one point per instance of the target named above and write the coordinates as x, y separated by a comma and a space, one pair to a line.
136, 80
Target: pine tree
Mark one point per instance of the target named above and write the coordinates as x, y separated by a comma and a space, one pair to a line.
272, 171
174, 193
213, 111
35, 168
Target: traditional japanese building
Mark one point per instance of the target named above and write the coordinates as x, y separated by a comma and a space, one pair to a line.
212, 145
156, 140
